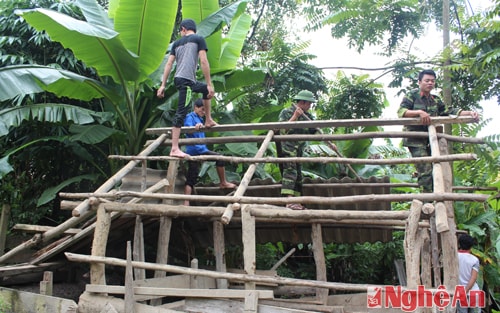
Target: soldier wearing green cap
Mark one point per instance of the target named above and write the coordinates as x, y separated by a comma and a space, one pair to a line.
292, 172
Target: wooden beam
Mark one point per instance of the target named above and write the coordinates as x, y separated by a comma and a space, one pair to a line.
230, 276
178, 292
314, 137
317, 124
425, 197
40, 229
323, 160
245, 181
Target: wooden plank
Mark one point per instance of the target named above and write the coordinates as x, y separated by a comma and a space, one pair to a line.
46, 285
13, 270
179, 292
89, 302
231, 306
19, 301
251, 301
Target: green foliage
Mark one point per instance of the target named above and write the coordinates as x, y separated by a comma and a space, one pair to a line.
353, 97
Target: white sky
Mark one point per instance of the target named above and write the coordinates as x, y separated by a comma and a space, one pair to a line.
332, 52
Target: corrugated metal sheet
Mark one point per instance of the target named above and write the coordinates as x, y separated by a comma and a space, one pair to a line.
301, 233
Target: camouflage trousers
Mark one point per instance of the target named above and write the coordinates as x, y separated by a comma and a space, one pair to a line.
291, 182
425, 180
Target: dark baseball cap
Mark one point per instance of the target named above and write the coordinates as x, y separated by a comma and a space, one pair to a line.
188, 24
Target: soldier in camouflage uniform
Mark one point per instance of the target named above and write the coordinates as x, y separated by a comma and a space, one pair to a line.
292, 172
421, 103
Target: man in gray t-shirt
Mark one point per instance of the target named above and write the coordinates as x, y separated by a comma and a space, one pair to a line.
186, 51
468, 269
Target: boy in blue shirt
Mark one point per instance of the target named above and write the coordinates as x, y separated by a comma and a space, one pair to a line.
195, 119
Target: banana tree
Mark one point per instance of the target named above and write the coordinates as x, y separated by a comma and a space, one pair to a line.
126, 46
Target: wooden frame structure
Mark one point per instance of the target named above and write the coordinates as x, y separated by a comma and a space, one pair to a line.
100, 208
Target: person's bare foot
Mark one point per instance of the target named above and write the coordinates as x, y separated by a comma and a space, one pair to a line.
178, 153
227, 185
210, 123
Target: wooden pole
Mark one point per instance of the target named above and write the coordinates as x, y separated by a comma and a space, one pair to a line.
448, 196
245, 181
80, 213
230, 276
323, 160
412, 250
438, 178
319, 260
220, 251
103, 223
249, 245
129, 282
318, 124
4, 226
111, 182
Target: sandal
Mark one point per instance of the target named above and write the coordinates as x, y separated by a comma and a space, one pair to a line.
295, 206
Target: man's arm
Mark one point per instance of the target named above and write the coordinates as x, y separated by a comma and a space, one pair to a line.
205, 68
164, 78
472, 280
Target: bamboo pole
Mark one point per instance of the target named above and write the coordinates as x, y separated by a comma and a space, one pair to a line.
426, 197
111, 182
318, 124
272, 215
318, 137
323, 160
87, 231
230, 276
245, 181
81, 212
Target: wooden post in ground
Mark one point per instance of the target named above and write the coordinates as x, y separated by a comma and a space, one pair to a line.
46, 285
101, 232
319, 260
138, 247
165, 225
4, 225
193, 279
129, 283
412, 252
448, 239
220, 252
249, 258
